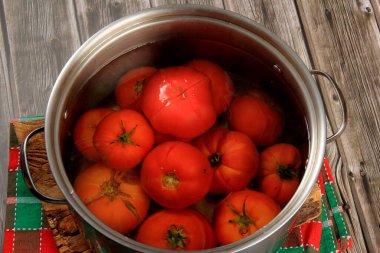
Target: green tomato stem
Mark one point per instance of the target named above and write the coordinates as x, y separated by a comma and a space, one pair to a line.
242, 219
287, 172
176, 238
125, 138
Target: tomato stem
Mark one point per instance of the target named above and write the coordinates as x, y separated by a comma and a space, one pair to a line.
286, 172
176, 238
125, 138
242, 220
137, 88
170, 181
111, 189
215, 160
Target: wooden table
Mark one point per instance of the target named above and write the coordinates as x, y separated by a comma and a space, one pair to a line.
340, 37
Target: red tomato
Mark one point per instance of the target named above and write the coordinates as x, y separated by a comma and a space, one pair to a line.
177, 101
115, 197
233, 157
256, 115
161, 138
278, 173
123, 138
84, 131
241, 214
210, 236
176, 174
130, 87
182, 229
220, 83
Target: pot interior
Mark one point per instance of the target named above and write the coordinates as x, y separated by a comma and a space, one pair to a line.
177, 43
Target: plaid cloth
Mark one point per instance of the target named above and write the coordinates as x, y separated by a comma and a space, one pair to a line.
27, 230
326, 233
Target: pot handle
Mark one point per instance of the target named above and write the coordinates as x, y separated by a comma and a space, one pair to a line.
28, 176
342, 103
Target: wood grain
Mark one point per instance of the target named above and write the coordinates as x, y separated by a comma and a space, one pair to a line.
41, 38
280, 17
5, 112
95, 15
37, 38
345, 41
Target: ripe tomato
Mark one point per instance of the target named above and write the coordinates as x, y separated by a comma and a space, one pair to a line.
84, 130
278, 171
242, 213
176, 174
115, 197
233, 157
220, 83
181, 229
177, 101
257, 115
161, 138
123, 138
210, 236
130, 87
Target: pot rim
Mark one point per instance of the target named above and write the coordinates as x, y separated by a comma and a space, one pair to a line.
317, 124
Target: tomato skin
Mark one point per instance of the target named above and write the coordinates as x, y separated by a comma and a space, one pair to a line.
123, 138
176, 174
262, 121
84, 130
259, 208
161, 138
130, 87
220, 83
194, 226
233, 157
177, 101
210, 236
115, 197
278, 172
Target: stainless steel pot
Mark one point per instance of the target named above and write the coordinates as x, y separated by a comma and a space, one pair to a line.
167, 35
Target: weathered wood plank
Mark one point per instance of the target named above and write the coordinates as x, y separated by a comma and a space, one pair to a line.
36, 40
279, 17
345, 41
94, 15
5, 112
376, 9
41, 38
